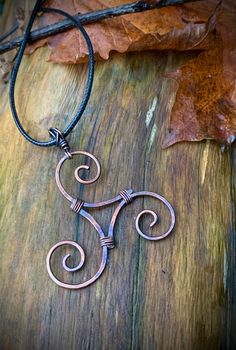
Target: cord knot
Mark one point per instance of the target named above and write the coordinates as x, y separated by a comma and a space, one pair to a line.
61, 141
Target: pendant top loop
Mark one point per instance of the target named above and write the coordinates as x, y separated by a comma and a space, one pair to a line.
61, 141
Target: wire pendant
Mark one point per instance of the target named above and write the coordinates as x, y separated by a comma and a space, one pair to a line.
107, 242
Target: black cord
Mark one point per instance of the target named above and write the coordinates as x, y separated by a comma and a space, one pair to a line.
15, 70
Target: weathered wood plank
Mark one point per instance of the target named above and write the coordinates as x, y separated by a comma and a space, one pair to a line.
176, 294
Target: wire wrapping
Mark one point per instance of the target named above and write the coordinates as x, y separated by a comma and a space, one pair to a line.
26, 39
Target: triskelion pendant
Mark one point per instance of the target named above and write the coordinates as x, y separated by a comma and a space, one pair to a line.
107, 240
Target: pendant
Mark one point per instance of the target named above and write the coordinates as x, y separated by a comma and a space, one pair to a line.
107, 241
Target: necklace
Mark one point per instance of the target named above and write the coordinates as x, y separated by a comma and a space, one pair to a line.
78, 206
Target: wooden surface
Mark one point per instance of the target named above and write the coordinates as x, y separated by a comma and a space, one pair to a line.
179, 293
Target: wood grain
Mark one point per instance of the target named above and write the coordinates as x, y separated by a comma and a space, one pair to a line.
175, 294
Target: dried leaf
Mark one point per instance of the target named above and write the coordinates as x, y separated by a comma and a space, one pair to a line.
205, 105
175, 27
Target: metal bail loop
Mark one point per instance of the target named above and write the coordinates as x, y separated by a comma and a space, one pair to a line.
61, 141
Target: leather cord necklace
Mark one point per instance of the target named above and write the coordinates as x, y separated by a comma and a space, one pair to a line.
58, 138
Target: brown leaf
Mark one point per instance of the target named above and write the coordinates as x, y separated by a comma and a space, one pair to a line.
205, 106
175, 27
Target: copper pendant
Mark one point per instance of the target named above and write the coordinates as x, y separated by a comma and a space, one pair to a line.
107, 241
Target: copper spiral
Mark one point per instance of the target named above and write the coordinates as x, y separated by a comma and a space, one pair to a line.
78, 169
